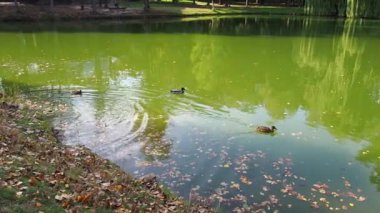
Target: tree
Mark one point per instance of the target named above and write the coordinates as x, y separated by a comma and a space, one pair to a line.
226, 3
93, 5
16, 5
146, 4
349, 8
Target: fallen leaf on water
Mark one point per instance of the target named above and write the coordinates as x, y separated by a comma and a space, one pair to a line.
245, 180
314, 205
235, 185
361, 199
301, 197
335, 194
347, 184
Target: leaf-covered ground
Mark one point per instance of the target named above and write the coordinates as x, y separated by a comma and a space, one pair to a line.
38, 174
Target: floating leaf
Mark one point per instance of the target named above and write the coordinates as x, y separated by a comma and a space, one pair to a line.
314, 205
235, 185
361, 199
347, 184
245, 180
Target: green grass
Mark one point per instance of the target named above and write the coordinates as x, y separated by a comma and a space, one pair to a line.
7, 194
187, 8
9, 202
183, 11
74, 173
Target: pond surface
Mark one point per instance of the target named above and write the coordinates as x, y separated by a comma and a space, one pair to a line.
316, 80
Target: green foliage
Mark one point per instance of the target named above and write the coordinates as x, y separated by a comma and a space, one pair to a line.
344, 8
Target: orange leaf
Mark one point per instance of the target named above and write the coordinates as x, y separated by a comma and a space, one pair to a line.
83, 198
118, 187
32, 181
65, 204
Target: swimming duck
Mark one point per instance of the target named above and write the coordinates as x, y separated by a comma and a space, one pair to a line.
265, 129
178, 91
77, 92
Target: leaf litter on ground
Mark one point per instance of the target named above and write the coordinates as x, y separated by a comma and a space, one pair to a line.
41, 173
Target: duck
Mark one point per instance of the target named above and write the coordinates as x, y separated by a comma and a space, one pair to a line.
77, 92
178, 91
266, 129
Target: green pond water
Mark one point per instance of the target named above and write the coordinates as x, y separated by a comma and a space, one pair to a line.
316, 80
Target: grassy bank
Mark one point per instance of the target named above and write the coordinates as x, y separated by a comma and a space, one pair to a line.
38, 174
135, 10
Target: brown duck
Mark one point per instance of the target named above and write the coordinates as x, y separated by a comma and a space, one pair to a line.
77, 92
265, 129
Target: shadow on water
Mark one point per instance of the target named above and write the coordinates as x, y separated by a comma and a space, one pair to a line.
316, 76
237, 26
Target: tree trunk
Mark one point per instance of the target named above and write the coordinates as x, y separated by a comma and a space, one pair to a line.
93, 5
194, 2
146, 5
81, 5
246, 3
51, 4
16, 5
